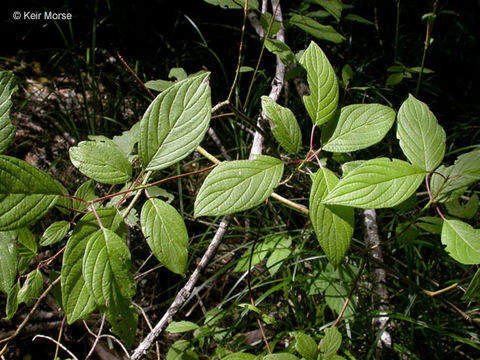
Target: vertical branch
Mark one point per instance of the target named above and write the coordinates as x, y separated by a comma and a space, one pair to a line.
378, 277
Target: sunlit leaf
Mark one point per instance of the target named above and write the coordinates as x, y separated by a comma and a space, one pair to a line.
360, 126
55, 233
421, 138
7, 88
333, 224
78, 303
8, 260
26, 193
284, 126
462, 241
239, 185
166, 234
181, 326
101, 161
322, 102
377, 183
175, 123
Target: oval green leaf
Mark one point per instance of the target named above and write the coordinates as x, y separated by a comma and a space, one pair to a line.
377, 183
7, 88
360, 126
166, 234
331, 342
421, 138
55, 233
106, 264
464, 172
175, 123
181, 326
284, 126
31, 289
8, 260
312, 27
333, 224
101, 161
239, 185
306, 346
26, 193
322, 102
462, 241
77, 301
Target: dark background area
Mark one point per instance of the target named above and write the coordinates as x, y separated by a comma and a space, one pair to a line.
157, 35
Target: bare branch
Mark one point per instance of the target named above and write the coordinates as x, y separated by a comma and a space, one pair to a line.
378, 277
183, 294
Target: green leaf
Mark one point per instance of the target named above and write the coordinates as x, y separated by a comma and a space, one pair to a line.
333, 224
7, 88
463, 173
467, 211
280, 253
181, 326
322, 102
12, 301
101, 161
284, 126
377, 183
123, 317
166, 234
55, 233
331, 342
462, 241
431, 224
312, 27
347, 74
159, 85
106, 264
175, 123
234, 4
260, 252
394, 79
26, 243
180, 351
86, 191
280, 49
240, 356
31, 289
335, 297
421, 138
358, 18
106, 270
334, 7
77, 301
360, 126
8, 260
265, 20
177, 73
280, 356
126, 142
26, 193
350, 165
473, 290
306, 346
239, 185
155, 191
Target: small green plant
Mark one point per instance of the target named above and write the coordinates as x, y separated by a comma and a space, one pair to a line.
96, 270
